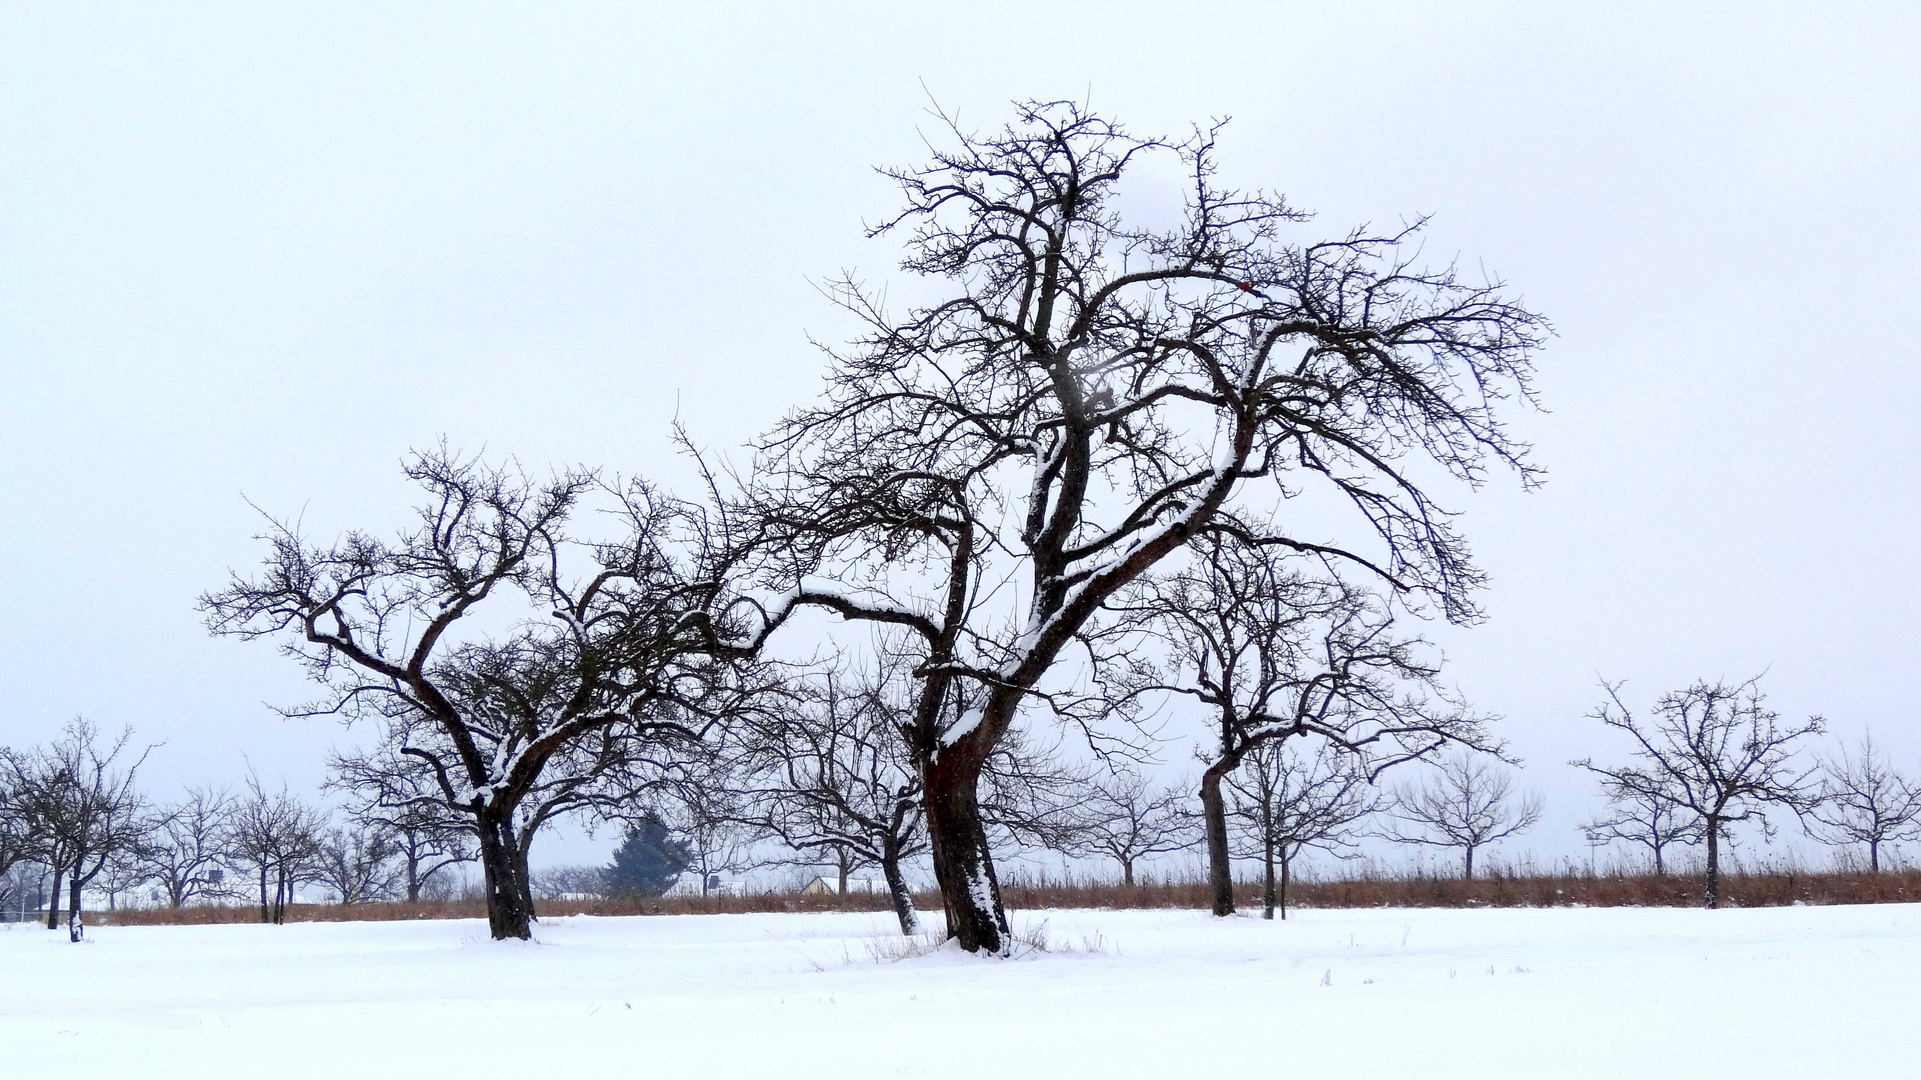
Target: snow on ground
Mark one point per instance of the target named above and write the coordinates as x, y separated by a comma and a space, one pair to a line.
1644, 993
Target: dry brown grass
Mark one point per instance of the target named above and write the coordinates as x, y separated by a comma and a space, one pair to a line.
1759, 887
476, 908
1769, 883
1762, 885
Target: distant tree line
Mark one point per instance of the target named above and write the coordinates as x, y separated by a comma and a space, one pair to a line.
73, 820
812, 784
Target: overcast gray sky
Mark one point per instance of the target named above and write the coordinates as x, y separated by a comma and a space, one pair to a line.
252, 252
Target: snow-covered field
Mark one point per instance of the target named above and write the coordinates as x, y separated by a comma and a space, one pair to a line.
1781, 992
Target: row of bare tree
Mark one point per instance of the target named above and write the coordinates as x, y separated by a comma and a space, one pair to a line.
1714, 755
822, 778
1711, 756
72, 811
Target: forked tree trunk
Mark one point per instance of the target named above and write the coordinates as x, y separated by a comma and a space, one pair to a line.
510, 911
963, 863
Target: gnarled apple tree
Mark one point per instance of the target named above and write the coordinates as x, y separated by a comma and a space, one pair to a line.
1082, 395
1272, 652
518, 671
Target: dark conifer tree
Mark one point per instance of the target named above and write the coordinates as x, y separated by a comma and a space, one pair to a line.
648, 861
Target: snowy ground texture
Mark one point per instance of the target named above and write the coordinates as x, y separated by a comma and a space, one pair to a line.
1645, 993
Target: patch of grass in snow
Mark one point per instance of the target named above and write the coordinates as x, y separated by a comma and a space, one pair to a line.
1029, 942
1035, 940
892, 950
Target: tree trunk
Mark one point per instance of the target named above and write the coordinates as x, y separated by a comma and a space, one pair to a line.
509, 911
413, 879
841, 861
53, 902
75, 930
1659, 870
1267, 853
1220, 869
525, 876
1874, 856
1468, 874
1127, 872
1287, 863
963, 863
897, 888
1267, 877
1711, 888
265, 916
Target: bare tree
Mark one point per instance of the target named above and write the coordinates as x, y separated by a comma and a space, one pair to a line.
1274, 653
1467, 802
1090, 394
127, 870
571, 882
25, 889
20, 889
399, 797
278, 837
1643, 815
83, 811
831, 777
708, 809
1864, 801
834, 776
10, 884
1032, 796
30, 825
1287, 804
1127, 819
357, 863
505, 730
426, 842
185, 851
1716, 750
16, 843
